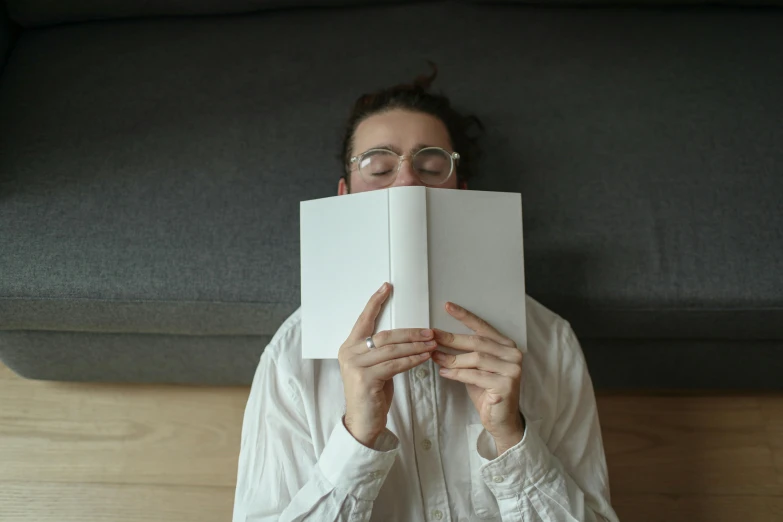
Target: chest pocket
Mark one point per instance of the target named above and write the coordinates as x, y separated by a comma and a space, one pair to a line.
485, 507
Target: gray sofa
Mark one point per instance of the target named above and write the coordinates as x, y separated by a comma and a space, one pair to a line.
153, 154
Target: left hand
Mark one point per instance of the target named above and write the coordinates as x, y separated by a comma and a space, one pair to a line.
491, 371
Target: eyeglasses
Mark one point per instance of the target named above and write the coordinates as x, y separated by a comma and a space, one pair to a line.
379, 167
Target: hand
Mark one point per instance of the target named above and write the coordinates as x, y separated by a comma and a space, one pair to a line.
491, 371
367, 374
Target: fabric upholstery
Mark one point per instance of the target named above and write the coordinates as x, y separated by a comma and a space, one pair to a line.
147, 316
638, 3
151, 169
230, 360
176, 359
36, 13
684, 365
6, 34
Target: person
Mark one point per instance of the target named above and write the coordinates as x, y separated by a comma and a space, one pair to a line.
395, 429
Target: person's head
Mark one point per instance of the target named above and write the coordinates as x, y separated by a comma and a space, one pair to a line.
407, 120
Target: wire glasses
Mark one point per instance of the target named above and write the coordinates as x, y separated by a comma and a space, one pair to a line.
379, 167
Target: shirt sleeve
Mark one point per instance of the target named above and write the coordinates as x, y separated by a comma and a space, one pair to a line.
279, 476
563, 478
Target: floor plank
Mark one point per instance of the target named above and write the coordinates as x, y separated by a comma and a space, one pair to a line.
772, 410
123, 434
130, 453
715, 445
656, 507
61, 502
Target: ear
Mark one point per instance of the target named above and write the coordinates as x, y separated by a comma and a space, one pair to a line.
342, 187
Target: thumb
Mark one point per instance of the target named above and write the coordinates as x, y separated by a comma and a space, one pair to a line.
365, 324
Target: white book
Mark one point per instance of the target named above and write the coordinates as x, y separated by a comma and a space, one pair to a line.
432, 245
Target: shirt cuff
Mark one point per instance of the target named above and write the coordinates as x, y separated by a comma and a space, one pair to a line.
524, 464
353, 467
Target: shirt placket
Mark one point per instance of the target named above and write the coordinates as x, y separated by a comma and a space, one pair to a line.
427, 443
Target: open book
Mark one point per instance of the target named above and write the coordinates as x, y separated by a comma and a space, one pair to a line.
432, 245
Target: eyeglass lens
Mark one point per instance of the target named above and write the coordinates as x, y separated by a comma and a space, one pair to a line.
433, 166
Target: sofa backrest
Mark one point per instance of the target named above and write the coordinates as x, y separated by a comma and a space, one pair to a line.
163, 160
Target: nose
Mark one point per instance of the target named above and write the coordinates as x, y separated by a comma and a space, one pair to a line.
406, 176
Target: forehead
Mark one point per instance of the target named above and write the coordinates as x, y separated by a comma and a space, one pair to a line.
401, 128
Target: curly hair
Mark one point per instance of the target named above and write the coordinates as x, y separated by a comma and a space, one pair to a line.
417, 97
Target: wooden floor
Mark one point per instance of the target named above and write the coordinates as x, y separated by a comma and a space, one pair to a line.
71, 452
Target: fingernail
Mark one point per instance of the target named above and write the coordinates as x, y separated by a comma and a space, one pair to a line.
382, 289
443, 371
430, 344
426, 333
451, 306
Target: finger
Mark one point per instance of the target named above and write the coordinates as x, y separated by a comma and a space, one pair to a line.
477, 343
386, 370
365, 324
402, 335
391, 338
393, 351
477, 324
489, 381
478, 361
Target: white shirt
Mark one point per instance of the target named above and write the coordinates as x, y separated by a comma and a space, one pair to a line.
435, 462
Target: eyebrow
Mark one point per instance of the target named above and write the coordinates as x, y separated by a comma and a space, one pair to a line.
395, 149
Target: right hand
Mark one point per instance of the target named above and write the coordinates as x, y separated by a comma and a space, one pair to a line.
367, 374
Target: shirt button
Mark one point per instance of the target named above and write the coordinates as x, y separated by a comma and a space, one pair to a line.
497, 479
437, 514
421, 373
426, 444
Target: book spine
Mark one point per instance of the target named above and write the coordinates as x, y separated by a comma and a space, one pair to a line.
408, 257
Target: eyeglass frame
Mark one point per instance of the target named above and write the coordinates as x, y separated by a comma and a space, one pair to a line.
453, 156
